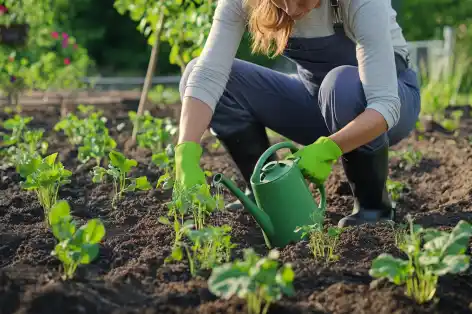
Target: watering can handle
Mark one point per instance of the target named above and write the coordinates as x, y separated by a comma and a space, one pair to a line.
267, 154
272, 150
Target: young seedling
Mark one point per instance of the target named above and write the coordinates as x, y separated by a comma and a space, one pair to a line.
409, 157
323, 244
260, 281
431, 254
210, 246
119, 169
197, 200
165, 161
153, 133
45, 177
77, 127
395, 189
76, 246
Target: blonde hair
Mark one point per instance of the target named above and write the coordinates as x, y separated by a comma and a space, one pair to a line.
269, 26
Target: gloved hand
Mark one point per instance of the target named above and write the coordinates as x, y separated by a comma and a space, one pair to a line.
189, 174
317, 159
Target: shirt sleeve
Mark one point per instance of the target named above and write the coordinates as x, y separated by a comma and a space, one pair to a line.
376, 60
210, 74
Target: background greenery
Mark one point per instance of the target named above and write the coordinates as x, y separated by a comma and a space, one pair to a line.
118, 48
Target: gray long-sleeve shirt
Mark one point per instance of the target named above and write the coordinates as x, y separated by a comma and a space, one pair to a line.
371, 24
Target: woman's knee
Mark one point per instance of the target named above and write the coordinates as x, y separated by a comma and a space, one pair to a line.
185, 75
341, 96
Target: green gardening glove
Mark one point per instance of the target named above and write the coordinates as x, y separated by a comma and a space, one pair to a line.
189, 174
317, 159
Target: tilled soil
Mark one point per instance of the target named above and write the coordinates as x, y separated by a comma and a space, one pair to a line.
130, 275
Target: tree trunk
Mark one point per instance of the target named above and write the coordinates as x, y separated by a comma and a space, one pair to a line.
148, 80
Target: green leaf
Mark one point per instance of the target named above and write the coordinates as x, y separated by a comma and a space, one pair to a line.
143, 184
452, 264
58, 211
93, 231
164, 220
228, 280
88, 253
385, 265
177, 254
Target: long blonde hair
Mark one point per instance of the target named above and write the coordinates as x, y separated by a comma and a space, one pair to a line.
270, 27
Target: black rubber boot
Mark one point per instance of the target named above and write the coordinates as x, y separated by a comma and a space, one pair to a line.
245, 147
367, 174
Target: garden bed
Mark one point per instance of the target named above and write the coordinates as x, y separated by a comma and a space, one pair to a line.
130, 275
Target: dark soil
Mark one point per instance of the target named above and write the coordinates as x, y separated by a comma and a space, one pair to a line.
130, 275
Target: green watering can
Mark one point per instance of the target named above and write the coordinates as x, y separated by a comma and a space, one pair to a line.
284, 201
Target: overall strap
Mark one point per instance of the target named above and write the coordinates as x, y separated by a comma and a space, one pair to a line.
337, 17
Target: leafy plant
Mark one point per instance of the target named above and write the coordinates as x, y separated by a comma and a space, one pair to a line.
153, 133
322, 243
198, 201
119, 169
409, 157
44, 177
77, 127
431, 253
76, 246
210, 246
166, 162
395, 189
260, 281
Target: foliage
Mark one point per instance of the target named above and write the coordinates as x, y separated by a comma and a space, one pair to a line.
119, 169
165, 161
89, 131
323, 244
76, 246
260, 281
45, 177
431, 253
50, 59
395, 189
409, 158
153, 133
210, 246
186, 26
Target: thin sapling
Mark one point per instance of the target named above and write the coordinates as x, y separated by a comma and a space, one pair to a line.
323, 244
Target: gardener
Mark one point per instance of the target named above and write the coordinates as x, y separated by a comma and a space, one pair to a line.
353, 97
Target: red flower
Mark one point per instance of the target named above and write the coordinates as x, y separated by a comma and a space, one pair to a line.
3, 9
55, 35
66, 61
65, 43
65, 36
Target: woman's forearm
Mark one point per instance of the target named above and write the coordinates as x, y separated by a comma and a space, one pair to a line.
194, 120
365, 128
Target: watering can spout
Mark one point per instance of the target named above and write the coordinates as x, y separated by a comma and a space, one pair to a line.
259, 215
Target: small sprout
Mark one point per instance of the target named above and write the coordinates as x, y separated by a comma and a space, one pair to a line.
166, 162
153, 133
210, 246
45, 177
322, 244
76, 246
409, 157
260, 281
431, 253
119, 169
395, 189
